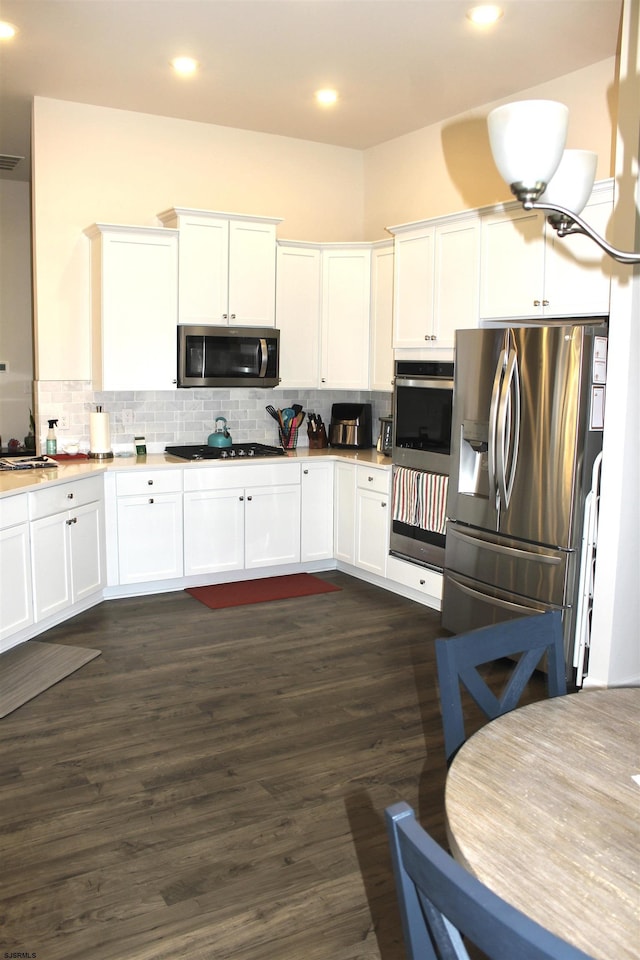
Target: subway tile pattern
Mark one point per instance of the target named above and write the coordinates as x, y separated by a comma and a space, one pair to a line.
182, 416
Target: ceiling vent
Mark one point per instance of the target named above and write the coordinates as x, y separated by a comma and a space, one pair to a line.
9, 163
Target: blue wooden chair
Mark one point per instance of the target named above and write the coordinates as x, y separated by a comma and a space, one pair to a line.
458, 658
441, 902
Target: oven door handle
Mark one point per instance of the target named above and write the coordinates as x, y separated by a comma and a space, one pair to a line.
424, 384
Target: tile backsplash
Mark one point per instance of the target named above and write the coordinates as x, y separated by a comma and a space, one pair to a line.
182, 416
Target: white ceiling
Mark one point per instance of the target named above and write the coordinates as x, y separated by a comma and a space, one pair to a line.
399, 64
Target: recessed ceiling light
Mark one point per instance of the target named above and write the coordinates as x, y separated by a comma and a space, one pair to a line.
7, 30
327, 98
185, 66
485, 14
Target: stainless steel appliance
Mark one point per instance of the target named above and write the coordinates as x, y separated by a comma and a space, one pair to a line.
385, 437
422, 406
527, 427
422, 409
228, 356
241, 451
350, 425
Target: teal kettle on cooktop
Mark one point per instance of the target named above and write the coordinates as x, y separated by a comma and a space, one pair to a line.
221, 437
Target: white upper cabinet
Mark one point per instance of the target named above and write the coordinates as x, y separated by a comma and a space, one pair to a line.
381, 377
227, 267
298, 313
529, 272
346, 298
134, 307
436, 278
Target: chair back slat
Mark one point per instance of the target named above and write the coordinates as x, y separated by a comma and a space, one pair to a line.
441, 902
527, 639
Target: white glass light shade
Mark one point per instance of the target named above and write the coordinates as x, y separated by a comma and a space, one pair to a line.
527, 139
572, 183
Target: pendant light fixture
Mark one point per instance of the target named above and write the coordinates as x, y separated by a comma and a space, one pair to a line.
527, 140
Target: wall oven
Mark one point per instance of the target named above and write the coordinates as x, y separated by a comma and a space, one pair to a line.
422, 411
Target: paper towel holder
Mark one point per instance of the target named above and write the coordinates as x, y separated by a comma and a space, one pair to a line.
106, 454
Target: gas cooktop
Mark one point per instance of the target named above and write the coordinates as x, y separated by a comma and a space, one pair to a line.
236, 451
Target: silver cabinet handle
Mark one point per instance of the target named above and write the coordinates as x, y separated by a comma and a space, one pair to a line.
241, 499
422, 583
249, 498
150, 483
305, 472
69, 496
536, 303
545, 303
383, 504
151, 500
72, 520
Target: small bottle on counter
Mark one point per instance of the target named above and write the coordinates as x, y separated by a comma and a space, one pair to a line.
141, 446
52, 443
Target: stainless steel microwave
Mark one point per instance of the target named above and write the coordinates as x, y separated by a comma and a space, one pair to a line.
228, 356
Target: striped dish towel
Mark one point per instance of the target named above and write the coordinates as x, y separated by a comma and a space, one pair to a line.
420, 499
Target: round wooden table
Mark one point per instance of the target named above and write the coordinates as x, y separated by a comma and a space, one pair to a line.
542, 807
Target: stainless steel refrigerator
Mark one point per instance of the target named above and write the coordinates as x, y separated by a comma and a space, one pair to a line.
528, 414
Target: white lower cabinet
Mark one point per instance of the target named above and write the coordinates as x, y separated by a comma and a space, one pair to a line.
344, 516
316, 530
149, 521
425, 581
362, 512
239, 518
373, 511
16, 601
67, 544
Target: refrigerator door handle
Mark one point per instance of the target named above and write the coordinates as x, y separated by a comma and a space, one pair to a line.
508, 429
516, 608
493, 421
503, 549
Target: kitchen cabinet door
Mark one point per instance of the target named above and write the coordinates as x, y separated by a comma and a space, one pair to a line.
316, 537
150, 537
346, 295
134, 307
512, 265
67, 546
373, 512
577, 275
382, 258
456, 280
344, 512
227, 267
272, 526
298, 314
16, 598
213, 531
413, 286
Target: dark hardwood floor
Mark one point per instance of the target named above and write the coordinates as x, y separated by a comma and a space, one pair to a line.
213, 785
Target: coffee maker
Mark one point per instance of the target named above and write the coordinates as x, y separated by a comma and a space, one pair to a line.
350, 425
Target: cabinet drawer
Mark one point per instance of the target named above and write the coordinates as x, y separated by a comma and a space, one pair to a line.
369, 478
13, 510
65, 496
414, 576
144, 481
224, 476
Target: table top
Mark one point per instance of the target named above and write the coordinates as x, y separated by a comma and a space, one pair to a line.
542, 807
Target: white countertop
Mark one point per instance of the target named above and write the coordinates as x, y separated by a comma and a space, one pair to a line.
23, 481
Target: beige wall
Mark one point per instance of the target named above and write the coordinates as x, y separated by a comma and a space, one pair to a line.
448, 166
97, 164
15, 310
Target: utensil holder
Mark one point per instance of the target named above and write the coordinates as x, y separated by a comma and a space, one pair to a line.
288, 438
317, 439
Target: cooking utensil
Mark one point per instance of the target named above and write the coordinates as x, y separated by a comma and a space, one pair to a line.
271, 410
221, 437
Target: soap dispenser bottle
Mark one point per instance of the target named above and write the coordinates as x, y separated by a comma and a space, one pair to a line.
52, 443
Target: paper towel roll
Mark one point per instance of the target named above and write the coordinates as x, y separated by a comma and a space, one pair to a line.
100, 435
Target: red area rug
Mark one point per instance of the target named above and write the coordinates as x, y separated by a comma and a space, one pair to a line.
221, 595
